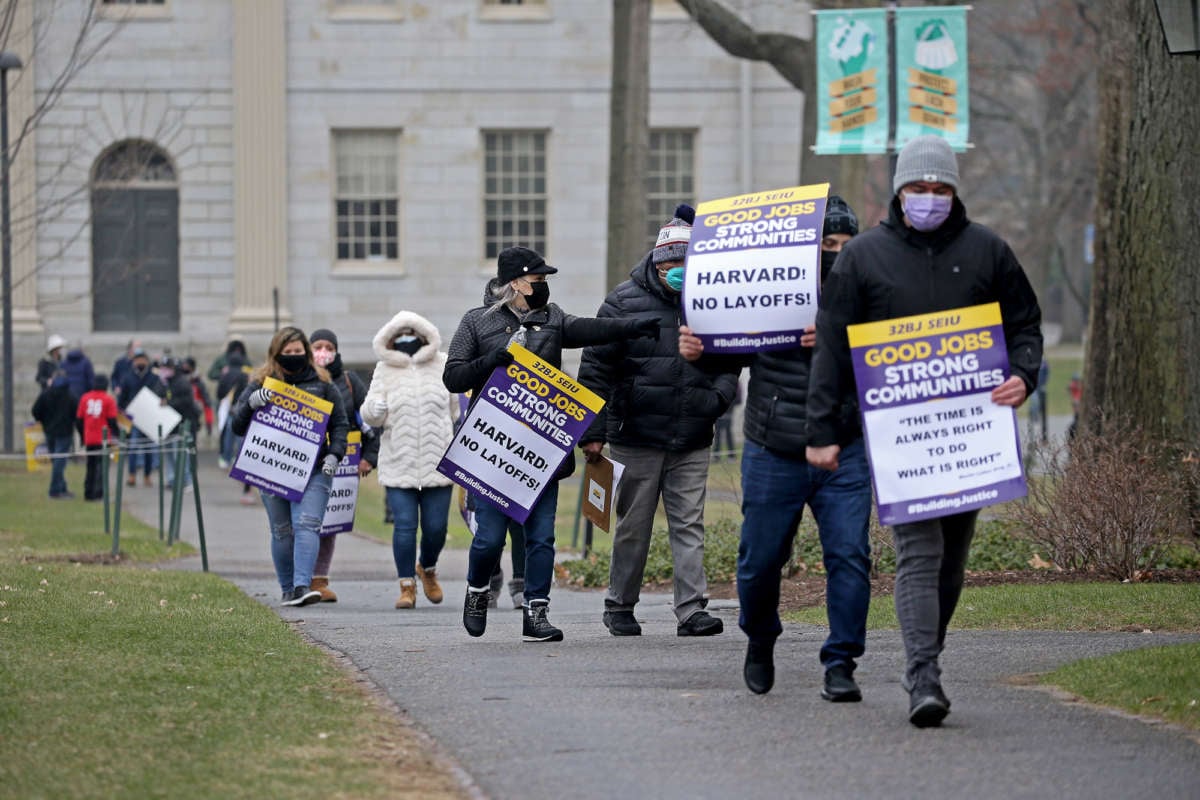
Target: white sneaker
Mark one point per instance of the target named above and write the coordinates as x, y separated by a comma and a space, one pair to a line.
222, 463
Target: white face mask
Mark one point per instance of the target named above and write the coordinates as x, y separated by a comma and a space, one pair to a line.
323, 358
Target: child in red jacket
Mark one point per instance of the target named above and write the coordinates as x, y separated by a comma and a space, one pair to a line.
97, 411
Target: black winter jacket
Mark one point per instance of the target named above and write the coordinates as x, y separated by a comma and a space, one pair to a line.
354, 392
895, 271
181, 398
487, 328
654, 397
306, 380
55, 408
133, 383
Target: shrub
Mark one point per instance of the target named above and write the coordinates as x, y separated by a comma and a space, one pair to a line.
720, 558
1109, 503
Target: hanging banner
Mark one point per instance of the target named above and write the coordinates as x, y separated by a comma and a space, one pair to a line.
936, 442
343, 493
279, 451
852, 81
753, 269
931, 74
521, 428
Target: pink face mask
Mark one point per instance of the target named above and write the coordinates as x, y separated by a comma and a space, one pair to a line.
323, 358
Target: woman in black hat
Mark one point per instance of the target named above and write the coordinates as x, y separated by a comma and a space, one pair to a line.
517, 309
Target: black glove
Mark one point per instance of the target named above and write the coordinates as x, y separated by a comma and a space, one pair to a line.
648, 328
500, 358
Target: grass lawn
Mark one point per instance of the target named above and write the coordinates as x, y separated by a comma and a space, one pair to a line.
1064, 362
1158, 681
124, 681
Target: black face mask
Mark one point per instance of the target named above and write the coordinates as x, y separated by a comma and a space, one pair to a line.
292, 363
827, 259
540, 296
141, 369
408, 344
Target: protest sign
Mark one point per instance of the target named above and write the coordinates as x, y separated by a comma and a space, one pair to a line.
521, 427
753, 269
937, 443
36, 451
279, 452
343, 494
150, 415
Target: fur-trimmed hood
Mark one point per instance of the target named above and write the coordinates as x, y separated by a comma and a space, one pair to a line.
382, 343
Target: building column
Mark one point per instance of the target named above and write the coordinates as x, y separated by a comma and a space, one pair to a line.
23, 179
259, 166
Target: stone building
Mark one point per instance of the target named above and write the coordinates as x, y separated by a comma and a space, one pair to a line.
221, 164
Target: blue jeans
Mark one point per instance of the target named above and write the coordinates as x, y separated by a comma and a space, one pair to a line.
170, 453
228, 451
58, 466
429, 506
139, 440
296, 531
774, 493
488, 545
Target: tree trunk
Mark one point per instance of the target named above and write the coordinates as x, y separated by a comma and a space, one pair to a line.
1145, 320
629, 137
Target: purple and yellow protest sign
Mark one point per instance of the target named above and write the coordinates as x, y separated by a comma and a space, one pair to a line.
937, 443
522, 426
753, 269
343, 493
280, 450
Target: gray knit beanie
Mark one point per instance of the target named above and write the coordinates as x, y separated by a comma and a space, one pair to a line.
926, 158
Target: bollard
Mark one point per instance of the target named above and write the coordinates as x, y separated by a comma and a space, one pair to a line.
199, 512
158, 451
116, 531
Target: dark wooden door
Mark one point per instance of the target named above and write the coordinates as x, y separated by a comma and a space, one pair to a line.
135, 258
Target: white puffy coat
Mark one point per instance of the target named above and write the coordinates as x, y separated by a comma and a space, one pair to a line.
408, 400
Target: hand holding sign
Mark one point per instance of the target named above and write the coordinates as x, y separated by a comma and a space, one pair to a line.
259, 398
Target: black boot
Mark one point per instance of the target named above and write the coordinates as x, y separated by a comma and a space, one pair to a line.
759, 669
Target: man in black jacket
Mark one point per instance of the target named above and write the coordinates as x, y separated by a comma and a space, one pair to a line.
776, 485
55, 409
926, 257
658, 422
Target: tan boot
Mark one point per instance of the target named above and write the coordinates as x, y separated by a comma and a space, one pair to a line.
433, 592
408, 593
321, 584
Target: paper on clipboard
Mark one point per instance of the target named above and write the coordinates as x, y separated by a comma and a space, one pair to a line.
600, 482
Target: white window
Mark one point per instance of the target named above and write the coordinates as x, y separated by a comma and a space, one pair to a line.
514, 197
367, 195
670, 176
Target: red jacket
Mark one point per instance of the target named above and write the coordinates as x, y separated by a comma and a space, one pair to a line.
97, 409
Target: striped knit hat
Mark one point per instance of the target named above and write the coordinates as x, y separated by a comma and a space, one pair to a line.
673, 239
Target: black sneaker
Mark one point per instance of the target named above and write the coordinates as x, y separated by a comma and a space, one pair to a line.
303, 596
475, 612
840, 686
759, 669
621, 623
287, 595
536, 627
700, 624
927, 703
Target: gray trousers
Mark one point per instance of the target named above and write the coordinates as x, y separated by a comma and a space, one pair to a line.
681, 479
931, 557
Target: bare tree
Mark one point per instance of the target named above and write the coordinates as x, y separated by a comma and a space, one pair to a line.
1145, 322
629, 136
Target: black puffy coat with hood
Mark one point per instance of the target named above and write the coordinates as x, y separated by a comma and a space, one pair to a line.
654, 397
895, 271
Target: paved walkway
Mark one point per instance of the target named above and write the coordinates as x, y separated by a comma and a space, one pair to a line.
664, 717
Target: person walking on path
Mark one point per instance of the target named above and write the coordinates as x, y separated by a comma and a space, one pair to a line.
409, 403
55, 408
296, 526
50, 363
141, 453
181, 396
123, 366
354, 392
658, 421
776, 485
98, 412
926, 257
79, 371
517, 309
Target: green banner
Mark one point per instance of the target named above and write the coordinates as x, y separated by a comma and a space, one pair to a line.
931, 74
852, 81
